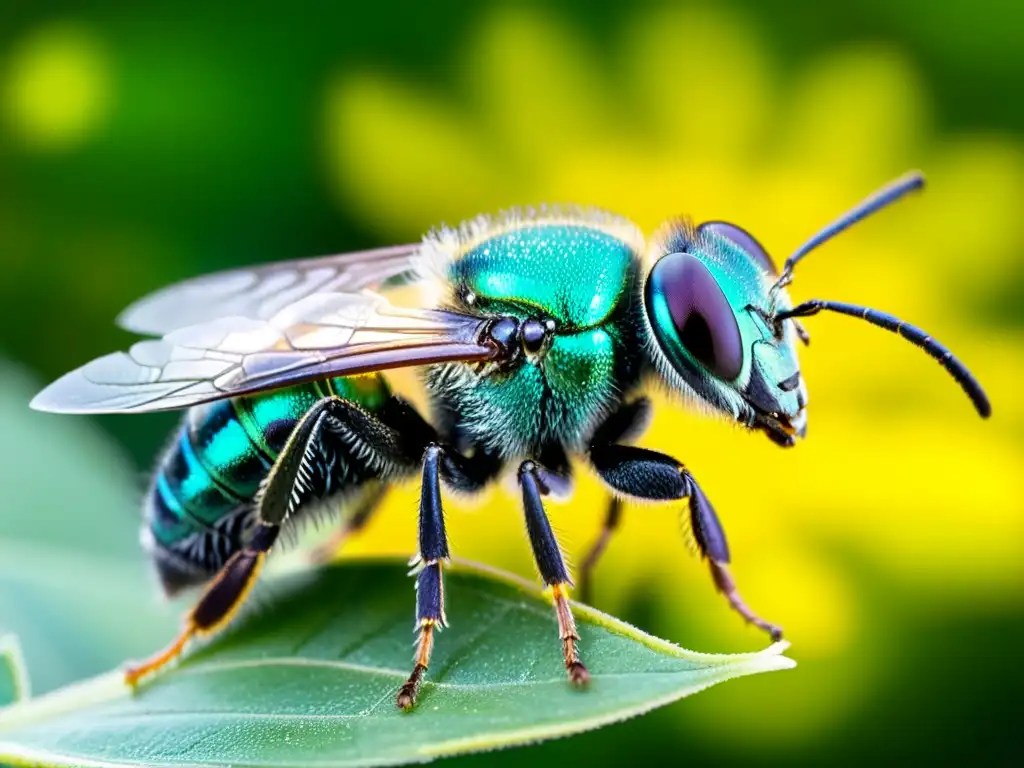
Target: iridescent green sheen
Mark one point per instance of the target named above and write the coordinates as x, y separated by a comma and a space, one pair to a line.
581, 277
744, 283
573, 273
371, 390
225, 450
534, 405
205, 499
169, 522
268, 417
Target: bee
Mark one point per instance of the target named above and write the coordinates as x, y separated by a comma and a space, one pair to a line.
536, 334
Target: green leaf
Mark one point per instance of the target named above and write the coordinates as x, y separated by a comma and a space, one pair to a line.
75, 586
309, 678
78, 615
66, 486
14, 685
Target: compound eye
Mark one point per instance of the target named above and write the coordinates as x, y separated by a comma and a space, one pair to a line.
744, 240
689, 312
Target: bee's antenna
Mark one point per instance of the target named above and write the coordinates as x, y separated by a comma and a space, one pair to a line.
890, 193
911, 333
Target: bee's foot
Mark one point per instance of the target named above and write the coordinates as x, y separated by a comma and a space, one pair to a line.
774, 630
133, 675
406, 698
579, 676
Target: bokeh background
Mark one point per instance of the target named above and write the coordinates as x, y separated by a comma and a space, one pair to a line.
143, 145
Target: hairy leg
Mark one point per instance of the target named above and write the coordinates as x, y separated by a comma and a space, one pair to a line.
537, 481
466, 474
299, 474
654, 476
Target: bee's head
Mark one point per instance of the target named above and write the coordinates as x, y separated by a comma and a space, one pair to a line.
716, 311
707, 305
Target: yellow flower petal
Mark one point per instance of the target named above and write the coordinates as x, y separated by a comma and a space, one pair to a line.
56, 88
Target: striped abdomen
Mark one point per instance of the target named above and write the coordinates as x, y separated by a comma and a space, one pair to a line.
199, 506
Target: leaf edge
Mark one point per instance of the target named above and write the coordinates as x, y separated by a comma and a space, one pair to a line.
10, 652
111, 684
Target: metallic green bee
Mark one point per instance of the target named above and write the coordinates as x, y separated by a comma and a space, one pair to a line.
541, 328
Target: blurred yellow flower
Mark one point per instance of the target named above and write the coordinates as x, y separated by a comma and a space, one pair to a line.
56, 86
900, 482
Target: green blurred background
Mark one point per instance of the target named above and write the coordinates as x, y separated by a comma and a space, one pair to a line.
144, 145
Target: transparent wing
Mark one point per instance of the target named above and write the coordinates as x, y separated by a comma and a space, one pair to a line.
322, 335
261, 292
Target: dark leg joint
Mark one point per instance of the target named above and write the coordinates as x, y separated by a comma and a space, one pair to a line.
219, 602
235, 579
626, 424
469, 474
263, 539
707, 530
649, 475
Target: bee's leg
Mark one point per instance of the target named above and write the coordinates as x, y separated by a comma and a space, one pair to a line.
222, 597
400, 439
351, 525
611, 521
392, 442
536, 482
626, 423
296, 476
462, 473
645, 474
433, 551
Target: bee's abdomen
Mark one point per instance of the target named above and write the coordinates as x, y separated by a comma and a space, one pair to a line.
200, 504
202, 492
